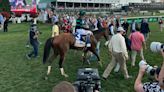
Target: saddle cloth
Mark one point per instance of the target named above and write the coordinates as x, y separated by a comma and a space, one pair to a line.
79, 44
80, 40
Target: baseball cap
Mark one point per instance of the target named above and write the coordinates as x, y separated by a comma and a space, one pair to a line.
120, 29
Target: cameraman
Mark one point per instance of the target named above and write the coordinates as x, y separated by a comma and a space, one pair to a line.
157, 86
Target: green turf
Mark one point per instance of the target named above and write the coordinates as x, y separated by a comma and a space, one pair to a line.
17, 74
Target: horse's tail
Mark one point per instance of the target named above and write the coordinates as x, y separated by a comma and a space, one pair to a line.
47, 49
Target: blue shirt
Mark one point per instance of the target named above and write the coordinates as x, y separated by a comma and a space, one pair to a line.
1, 19
55, 19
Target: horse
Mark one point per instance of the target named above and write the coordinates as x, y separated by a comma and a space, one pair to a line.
61, 44
101, 32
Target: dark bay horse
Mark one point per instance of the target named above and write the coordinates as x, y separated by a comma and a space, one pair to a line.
103, 32
61, 44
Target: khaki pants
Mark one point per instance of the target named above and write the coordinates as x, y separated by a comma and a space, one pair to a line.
134, 54
116, 58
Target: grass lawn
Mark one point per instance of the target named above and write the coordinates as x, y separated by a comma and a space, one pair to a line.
17, 74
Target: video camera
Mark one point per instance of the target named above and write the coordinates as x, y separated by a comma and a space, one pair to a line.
150, 70
88, 80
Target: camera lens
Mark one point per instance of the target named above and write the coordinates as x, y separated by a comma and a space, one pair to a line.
162, 47
152, 72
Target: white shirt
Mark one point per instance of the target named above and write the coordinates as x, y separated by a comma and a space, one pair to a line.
112, 30
117, 44
134, 26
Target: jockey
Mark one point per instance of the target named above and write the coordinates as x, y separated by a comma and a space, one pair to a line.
80, 29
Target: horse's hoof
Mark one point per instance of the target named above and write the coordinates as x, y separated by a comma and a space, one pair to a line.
88, 62
46, 78
65, 75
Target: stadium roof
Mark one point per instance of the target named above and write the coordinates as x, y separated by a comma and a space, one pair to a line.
46, 1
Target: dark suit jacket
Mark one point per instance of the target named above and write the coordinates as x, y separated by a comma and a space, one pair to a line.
144, 27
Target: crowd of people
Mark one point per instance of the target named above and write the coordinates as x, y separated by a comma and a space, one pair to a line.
119, 44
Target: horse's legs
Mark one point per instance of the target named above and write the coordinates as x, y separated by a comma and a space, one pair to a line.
84, 56
62, 56
94, 52
106, 37
98, 47
51, 58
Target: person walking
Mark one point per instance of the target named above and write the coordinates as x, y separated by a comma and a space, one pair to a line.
161, 24
1, 21
34, 42
137, 42
134, 25
145, 29
118, 49
125, 25
5, 25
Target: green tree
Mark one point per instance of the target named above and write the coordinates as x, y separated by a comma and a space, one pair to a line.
4, 5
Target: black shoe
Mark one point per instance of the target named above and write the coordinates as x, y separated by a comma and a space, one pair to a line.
104, 78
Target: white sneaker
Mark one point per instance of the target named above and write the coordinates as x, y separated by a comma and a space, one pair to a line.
88, 45
29, 58
27, 46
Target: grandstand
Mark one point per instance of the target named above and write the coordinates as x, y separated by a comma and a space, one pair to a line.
147, 6
102, 5
77, 5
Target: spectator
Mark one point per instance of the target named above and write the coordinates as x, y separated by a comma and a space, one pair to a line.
117, 23
34, 42
145, 29
73, 24
32, 25
137, 42
119, 52
45, 16
128, 43
5, 25
161, 24
1, 21
157, 86
125, 25
111, 28
134, 25
55, 18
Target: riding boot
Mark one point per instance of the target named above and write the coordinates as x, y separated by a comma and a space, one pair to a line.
88, 44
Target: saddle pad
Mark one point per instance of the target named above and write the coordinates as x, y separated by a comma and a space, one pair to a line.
79, 44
